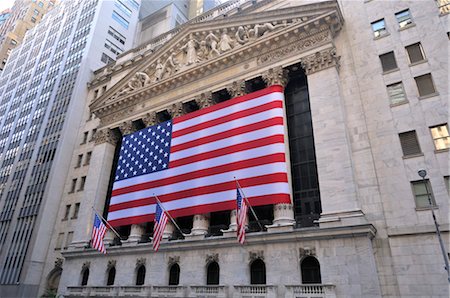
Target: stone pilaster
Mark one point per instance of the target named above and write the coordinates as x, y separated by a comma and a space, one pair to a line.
275, 76
136, 233
96, 187
338, 192
237, 88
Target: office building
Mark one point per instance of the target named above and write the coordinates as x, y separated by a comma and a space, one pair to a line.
366, 107
42, 97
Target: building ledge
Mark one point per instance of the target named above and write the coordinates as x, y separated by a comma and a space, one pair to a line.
297, 235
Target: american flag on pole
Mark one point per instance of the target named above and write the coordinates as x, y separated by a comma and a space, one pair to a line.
160, 224
190, 161
241, 216
98, 233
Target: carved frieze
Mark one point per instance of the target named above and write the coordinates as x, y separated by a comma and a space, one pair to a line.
204, 100
105, 136
320, 60
275, 76
307, 251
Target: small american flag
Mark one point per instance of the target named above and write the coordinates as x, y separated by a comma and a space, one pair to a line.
98, 233
160, 224
241, 217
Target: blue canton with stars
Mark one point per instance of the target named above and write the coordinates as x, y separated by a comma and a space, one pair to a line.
145, 151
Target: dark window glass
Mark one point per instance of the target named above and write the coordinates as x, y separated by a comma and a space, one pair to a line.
425, 85
85, 277
303, 157
212, 275
258, 272
415, 53
423, 194
388, 61
409, 142
310, 268
111, 276
174, 275
140, 275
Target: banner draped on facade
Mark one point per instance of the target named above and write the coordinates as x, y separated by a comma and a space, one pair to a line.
191, 162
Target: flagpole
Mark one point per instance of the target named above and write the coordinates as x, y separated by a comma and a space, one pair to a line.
107, 223
171, 218
251, 208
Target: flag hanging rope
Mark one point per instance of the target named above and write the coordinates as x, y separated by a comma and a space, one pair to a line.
168, 214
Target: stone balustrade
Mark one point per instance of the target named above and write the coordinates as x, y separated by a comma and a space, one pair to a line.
216, 291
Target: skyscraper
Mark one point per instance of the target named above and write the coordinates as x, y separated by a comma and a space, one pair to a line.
42, 98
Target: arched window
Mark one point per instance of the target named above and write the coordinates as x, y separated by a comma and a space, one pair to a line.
212, 274
258, 272
310, 271
174, 275
111, 276
140, 275
85, 277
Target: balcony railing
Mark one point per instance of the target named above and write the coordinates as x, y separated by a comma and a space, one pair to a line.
210, 291
310, 291
444, 6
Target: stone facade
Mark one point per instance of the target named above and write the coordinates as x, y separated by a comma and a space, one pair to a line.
371, 240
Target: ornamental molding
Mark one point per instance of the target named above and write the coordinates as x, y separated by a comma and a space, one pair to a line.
254, 255
105, 136
59, 262
320, 60
276, 76
212, 258
202, 50
173, 260
305, 252
236, 88
204, 100
111, 264
86, 265
140, 262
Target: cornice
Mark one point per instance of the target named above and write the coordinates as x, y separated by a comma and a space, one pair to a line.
279, 42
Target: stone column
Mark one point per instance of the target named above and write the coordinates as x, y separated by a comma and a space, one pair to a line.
137, 230
168, 230
338, 190
96, 186
109, 237
200, 225
283, 214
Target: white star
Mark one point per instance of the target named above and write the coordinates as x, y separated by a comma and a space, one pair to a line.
155, 157
139, 142
134, 173
166, 144
159, 127
163, 130
157, 147
165, 154
145, 159
117, 177
157, 137
126, 142
120, 157
154, 168
129, 155
151, 153
167, 134
121, 171
131, 169
146, 149
132, 158
127, 165
140, 133
136, 162
152, 143
164, 166
168, 123
144, 170
126, 175
161, 151
153, 133
140, 166
142, 155
159, 161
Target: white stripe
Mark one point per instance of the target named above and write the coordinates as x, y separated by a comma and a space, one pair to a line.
279, 167
224, 196
227, 142
240, 122
275, 96
204, 164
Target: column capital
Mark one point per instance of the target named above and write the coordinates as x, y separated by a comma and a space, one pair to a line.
320, 60
237, 88
176, 110
149, 119
276, 76
105, 135
127, 128
204, 100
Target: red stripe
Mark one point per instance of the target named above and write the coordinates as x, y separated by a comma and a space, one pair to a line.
228, 133
228, 150
225, 104
227, 205
277, 157
254, 181
227, 118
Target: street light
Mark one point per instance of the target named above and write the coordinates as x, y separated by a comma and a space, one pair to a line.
422, 173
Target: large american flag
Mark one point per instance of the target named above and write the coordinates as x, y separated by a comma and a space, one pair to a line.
98, 233
191, 162
160, 224
241, 217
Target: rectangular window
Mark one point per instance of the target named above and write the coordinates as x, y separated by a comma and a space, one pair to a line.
116, 35
122, 7
73, 186
59, 241
396, 93
68, 239
409, 142
423, 194
67, 212
388, 61
41, 4
403, 18
79, 160
379, 28
85, 137
36, 12
82, 183
13, 42
444, 6
33, 19
106, 59
425, 85
447, 184
440, 136
112, 47
119, 19
415, 53
104, 89
94, 131
132, 3
76, 210
88, 158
